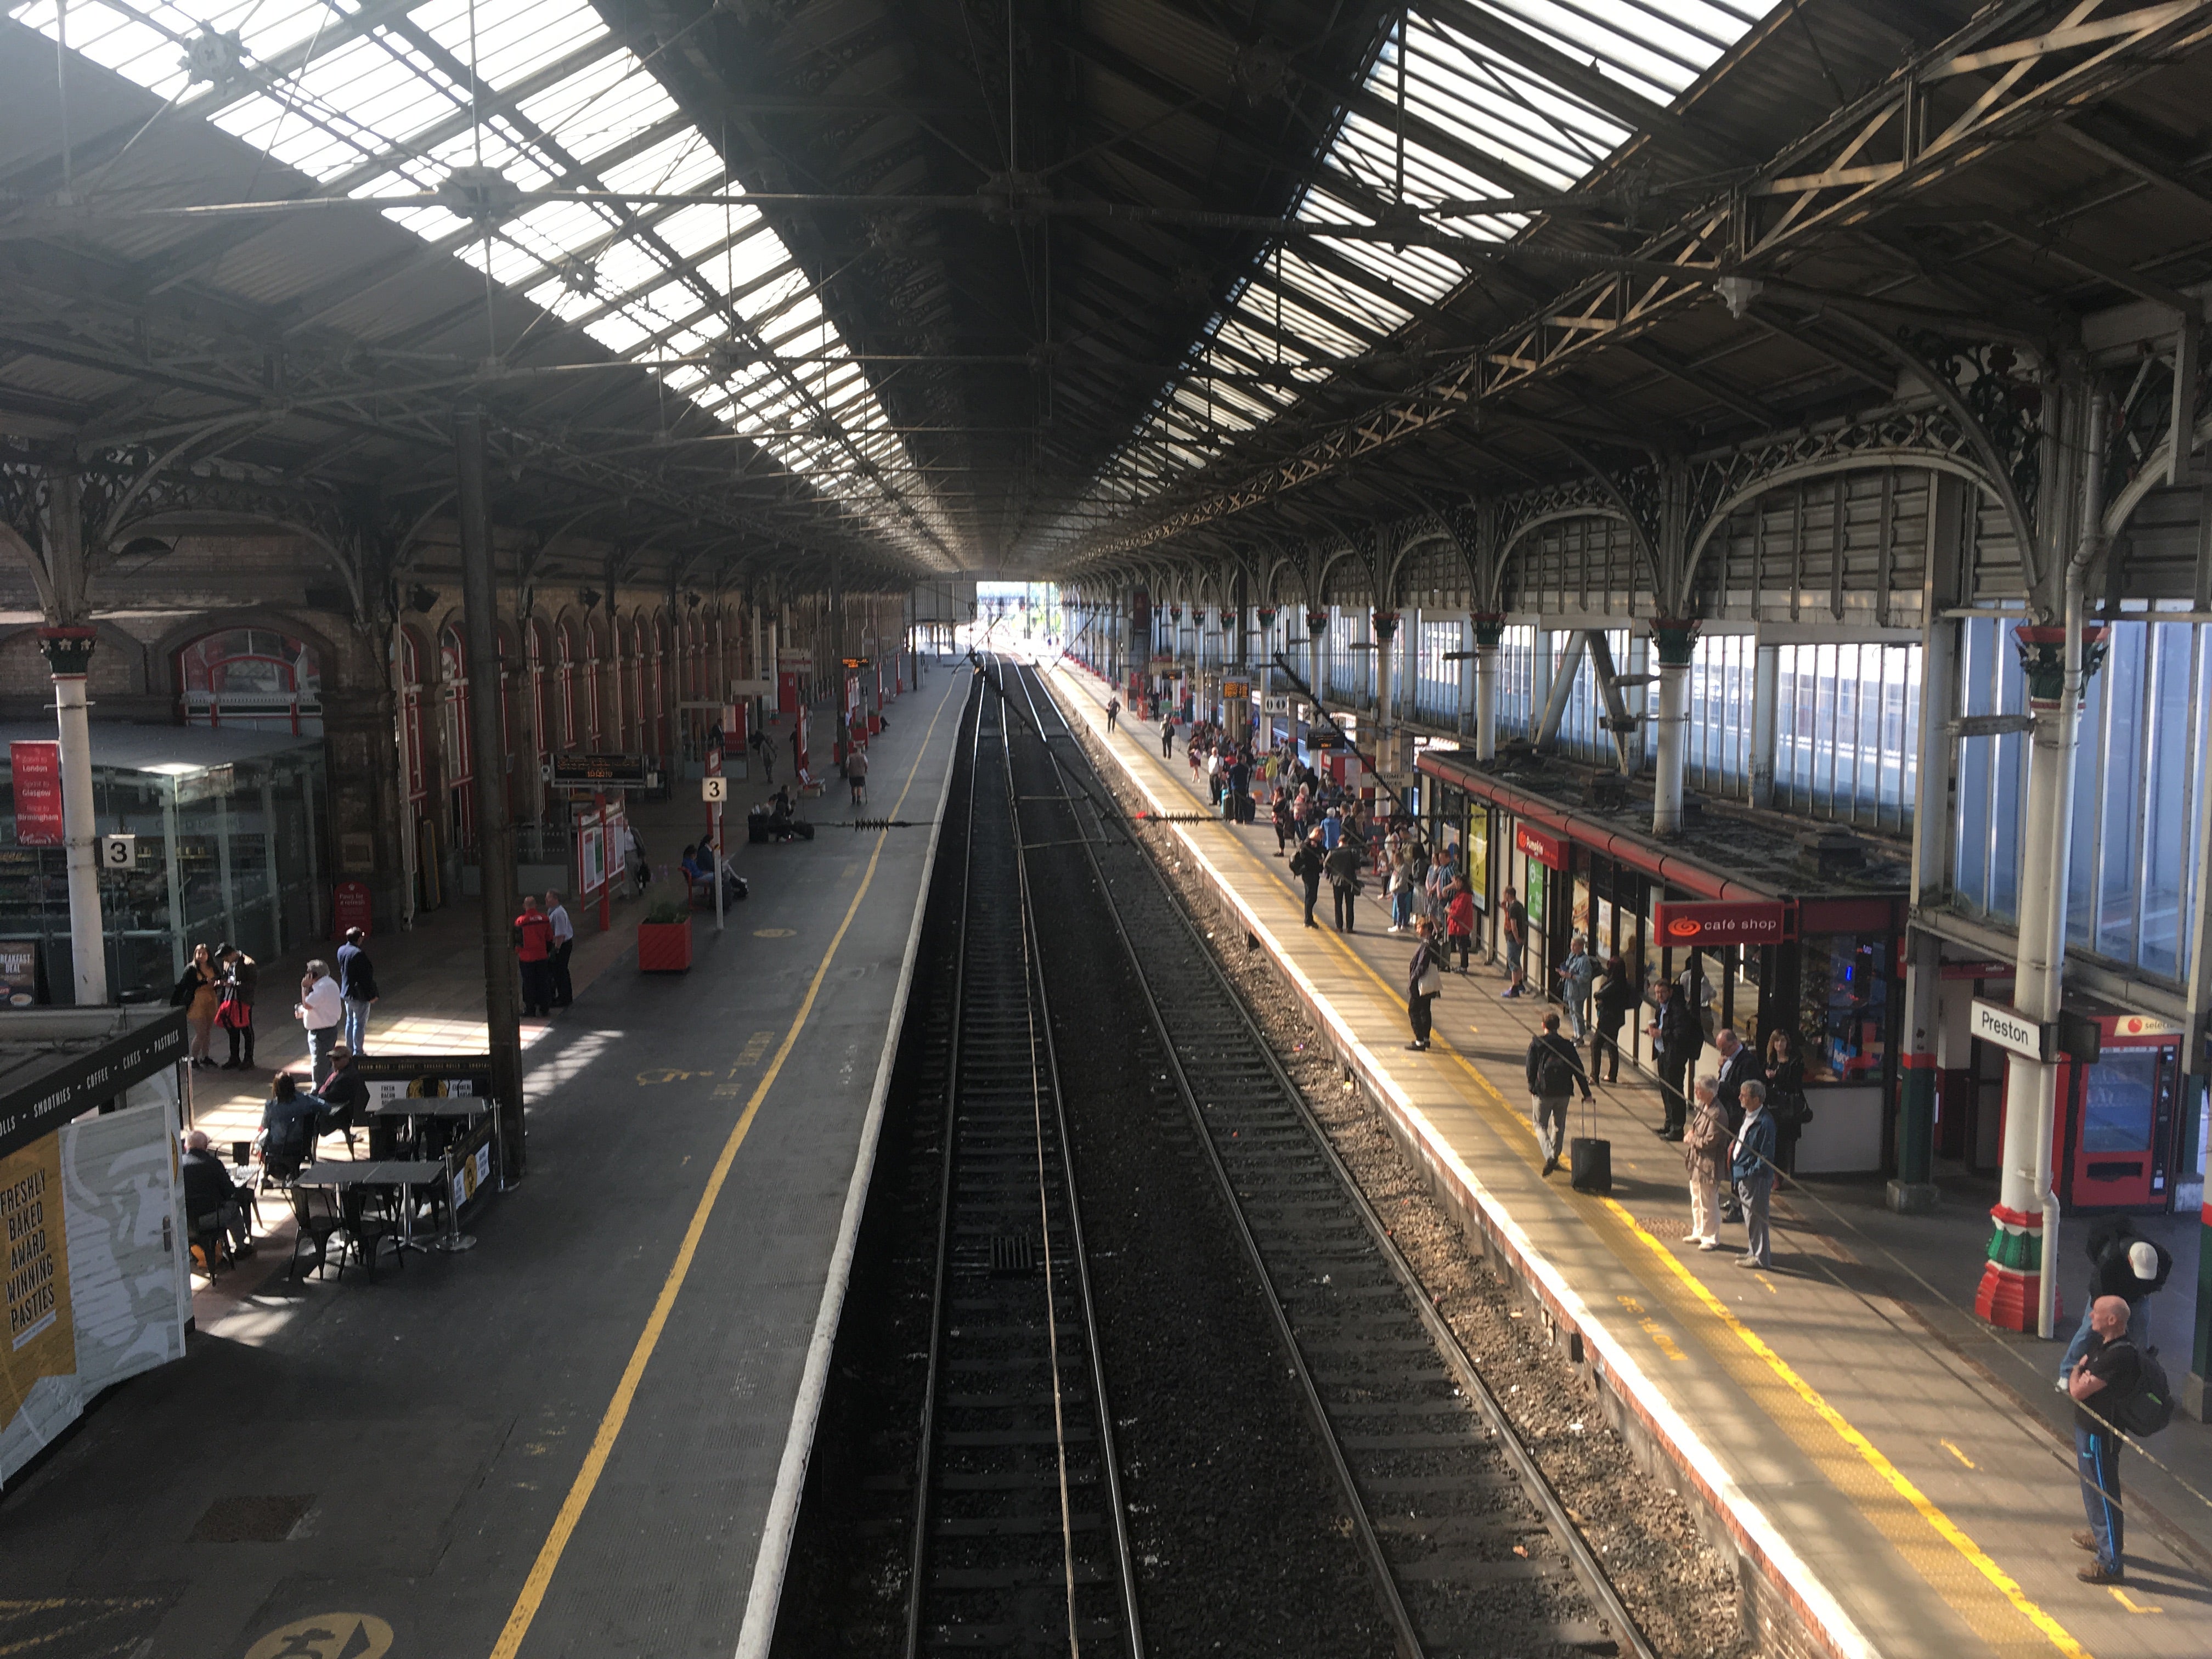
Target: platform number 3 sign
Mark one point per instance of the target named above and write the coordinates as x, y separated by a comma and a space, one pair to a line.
715, 789
118, 852
328, 1635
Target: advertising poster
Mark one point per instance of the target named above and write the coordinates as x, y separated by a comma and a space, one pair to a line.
40, 1342
19, 972
38, 770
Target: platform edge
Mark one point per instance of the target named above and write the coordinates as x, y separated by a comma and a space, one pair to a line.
770, 1561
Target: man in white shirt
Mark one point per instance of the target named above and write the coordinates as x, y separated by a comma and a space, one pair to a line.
564, 942
321, 1009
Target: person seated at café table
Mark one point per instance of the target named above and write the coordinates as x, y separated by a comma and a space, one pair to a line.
209, 1192
344, 1094
287, 1126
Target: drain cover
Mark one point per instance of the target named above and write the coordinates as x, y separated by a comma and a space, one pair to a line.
1011, 1256
250, 1520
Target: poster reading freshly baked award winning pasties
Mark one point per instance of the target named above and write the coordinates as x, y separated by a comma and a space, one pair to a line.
39, 1340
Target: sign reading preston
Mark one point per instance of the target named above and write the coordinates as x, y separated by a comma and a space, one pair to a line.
2011, 1030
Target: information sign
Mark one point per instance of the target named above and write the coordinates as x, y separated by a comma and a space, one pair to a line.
713, 790
38, 769
119, 852
600, 772
2010, 1029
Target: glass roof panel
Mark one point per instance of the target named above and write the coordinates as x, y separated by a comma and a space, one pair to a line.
386, 109
1477, 125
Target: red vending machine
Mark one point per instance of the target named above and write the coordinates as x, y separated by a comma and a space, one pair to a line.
2116, 1138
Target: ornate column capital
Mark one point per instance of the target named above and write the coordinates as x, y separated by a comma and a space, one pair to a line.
1386, 625
1489, 628
1267, 616
2042, 659
1316, 622
69, 650
1676, 638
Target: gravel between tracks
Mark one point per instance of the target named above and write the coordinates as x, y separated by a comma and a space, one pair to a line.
1681, 1592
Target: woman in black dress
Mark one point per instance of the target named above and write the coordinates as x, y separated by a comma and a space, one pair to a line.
1616, 995
1786, 1095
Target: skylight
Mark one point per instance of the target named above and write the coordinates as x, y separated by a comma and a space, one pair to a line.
1477, 125
379, 99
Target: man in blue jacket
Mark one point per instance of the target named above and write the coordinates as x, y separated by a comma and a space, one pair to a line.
1752, 1168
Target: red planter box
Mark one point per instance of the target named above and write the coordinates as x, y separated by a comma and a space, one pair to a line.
664, 947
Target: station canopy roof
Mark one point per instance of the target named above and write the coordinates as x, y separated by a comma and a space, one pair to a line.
968, 285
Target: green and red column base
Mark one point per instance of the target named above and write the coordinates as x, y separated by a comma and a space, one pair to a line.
2010, 1295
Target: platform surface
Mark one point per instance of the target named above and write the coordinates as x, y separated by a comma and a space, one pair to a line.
566, 1441
1915, 1470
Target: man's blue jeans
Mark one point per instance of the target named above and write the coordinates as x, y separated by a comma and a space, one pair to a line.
2097, 1455
357, 1023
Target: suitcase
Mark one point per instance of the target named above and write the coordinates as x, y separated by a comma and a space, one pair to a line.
1590, 1163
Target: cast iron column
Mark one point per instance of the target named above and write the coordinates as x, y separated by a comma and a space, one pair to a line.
495, 835
1489, 631
69, 656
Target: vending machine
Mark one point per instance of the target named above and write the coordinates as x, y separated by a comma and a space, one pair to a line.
2118, 1123
2116, 1141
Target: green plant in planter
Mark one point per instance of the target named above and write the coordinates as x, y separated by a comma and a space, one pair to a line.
665, 913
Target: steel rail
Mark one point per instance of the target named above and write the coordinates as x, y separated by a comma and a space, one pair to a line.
1588, 1568
1111, 1460
1066, 1269
920, 1555
1370, 1544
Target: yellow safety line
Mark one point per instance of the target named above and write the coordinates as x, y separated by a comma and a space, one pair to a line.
1945, 1528
618, 1412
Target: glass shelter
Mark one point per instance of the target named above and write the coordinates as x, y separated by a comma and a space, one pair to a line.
229, 825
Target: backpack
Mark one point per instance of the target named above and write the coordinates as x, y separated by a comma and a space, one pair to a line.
1555, 1073
2149, 1407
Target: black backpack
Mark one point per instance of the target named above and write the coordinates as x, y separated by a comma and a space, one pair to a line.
1555, 1073
2148, 1408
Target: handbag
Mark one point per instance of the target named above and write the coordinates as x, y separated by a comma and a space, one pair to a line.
1431, 981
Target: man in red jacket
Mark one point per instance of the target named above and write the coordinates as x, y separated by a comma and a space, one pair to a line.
533, 948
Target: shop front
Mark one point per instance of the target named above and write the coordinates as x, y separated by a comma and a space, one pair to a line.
1757, 941
228, 828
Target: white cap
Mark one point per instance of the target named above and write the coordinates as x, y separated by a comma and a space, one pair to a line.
2142, 1256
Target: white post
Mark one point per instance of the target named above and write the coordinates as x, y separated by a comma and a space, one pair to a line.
1765, 687
1676, 638
1488, 629
2019, 1278
69, 655
718, 866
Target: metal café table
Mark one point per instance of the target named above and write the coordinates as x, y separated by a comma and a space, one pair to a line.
402, 1173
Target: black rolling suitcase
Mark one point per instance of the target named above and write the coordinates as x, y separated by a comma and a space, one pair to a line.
1589, 1160
1589, 1164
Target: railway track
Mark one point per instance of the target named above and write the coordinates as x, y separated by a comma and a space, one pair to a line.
1470, 1551
1020, 1541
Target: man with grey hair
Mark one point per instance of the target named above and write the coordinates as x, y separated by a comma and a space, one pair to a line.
1705, 1143
1752, 1168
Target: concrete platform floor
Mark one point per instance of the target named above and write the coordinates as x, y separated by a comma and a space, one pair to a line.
565, 1442
1914, 1470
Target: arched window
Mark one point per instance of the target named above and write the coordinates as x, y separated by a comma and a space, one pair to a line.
566, 638
639, 707
253, 677
460, 771
592, 656
410, 719
541, 736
